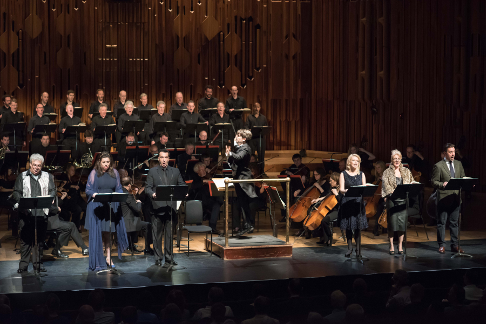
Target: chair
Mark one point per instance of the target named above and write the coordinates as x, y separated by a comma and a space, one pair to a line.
264, 210
415, 212
194, 215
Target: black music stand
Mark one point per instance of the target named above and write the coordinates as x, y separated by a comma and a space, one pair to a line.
361, 192
45, 129
331, 165
196, 128
208, 112
146, 114
14, 128
120, 111
52, 116
177, 113
76, 130
260, 131
211, 150
14, 159
134, 126
275, 202
105, 130
169, 126
222, 128
110, 198
77, 111
176, 193
405, 191
460, 184
237, 113
136, 153
36, 203
56, 158
97, 113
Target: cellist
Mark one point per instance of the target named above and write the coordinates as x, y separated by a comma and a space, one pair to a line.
379, 168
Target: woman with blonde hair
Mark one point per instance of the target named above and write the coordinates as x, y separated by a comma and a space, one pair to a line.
395, 175
352, 211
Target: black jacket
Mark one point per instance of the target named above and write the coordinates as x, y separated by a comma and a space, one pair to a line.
130, 210
240, 161
156, 178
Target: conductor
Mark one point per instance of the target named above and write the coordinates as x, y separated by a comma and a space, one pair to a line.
162, 210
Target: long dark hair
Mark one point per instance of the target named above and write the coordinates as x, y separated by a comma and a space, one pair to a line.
99, 170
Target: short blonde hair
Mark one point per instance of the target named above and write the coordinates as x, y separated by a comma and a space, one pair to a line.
348, 161
396, 152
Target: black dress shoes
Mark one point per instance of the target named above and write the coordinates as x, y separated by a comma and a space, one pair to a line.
158, 263
59, 254
215, 231
40, 268
148, 252
134, 250
22, 270
85, 251
169, 263
246, 230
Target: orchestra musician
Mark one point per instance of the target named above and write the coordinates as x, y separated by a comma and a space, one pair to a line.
13, 116
447, 200
120, 104
207, 102
379, 169
191, 117
163, 141
365, 156
100, 99
5, 142
76, 203
127, 116
44, 100
69, 101
33, 183
235, 102
415, 160
200, 191
397, 214
6, 104
147, 165
88, 146
43, 146
203, 138
239, 161
257, 119
104, 179
183, 158
298, 168
352, 211
160, 117
129, 140
342, 164
131, 213
101, 120
38, 119
70, 141
162, 211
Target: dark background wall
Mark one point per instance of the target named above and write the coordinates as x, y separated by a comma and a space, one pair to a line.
328, 72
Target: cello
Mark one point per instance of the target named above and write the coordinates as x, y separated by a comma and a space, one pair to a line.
317, 215
298, 211
372, 202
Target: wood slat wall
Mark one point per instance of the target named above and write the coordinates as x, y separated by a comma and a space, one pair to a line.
317, 67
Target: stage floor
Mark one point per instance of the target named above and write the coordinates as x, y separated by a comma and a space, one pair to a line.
200, 268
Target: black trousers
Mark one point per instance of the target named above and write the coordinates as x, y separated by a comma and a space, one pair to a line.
255, 205
70, 144
161, 221
147, 233
214, 205
243, 203
325, 224
27, 237
67, 230
448, 208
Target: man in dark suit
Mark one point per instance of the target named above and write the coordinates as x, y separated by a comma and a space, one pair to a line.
162, 211
447, 200
240, 161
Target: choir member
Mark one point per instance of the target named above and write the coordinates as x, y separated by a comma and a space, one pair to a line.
13, 116
69, 101
6, 104
160, 117
37, 119
44, 100
207, 102
100, 142
179, 104
191, 117
70, 141
120, 104
100, 99
144, 105
257, 119
127, 116
235, 102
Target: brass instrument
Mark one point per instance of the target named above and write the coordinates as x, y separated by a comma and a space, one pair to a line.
86, 160
3, 149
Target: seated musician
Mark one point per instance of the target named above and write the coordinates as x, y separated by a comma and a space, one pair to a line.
129, 140
203, 138
151, 161
191, 117
206, 159
160, 117
342, 164
254, 158
43, 146
319, 181
182, 160
133, 223
379, 168
5, 143
13, 116
70, 141
37, 119
200, 191
87, 148
69, 101
103, 119
298, 168
416, 161
163, 142
324, 231
65, 229
366, 157
100, 99
127, 116
76, 203
261, 200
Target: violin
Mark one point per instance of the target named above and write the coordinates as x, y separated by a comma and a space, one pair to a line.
317, 215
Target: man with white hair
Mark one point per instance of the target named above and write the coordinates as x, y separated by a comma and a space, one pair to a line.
127, 116
33, 183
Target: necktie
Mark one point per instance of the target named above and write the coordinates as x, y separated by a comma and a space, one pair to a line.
451, 167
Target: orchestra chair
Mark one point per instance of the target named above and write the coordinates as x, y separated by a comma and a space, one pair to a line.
194, 215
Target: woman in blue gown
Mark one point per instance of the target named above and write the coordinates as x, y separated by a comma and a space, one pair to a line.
104, 179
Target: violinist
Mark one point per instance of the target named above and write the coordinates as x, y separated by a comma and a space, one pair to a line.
397, 212
325, 230
73, 186
131, 214
210, 166
200, 191
298, 168
379, 169
415, 160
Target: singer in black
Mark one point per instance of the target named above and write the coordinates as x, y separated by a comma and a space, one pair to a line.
38, 119
207, 102
127, 116
70, 141
162, 211
257, 119
160, 117
235, 102
220, 117
240, 161
100, 99
33, 183
100, 142
13, 116
191, 117
69, 101
447, 200
44, 100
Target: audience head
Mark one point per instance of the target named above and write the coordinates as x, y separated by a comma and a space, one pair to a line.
86, 315
53, 303
354, 314
4, 300
96, 299
171, 314
218, 312
338, 299
456, 295
417, 292
360, 286
177, 297
261, 305
400, 277
5, 314
316, 318
129, 315
471, 277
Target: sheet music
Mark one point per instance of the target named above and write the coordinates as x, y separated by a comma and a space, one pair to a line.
219, 182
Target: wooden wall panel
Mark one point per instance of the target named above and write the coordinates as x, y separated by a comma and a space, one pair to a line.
317, 66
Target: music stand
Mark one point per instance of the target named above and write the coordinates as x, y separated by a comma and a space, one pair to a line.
331, 165
134, 126
52, 116
176, 114
361, 192
108, 113
176, 193
465, 183
277, 203
14, 128
15, 158
222, 127
56, 158
136, 153
196, 128
404, 191
45, 129
211, 150
238, 113
36, 203
208, 112
77, 111
260, 131
105, 130
169, 126
110, 198
146, 114
75, 129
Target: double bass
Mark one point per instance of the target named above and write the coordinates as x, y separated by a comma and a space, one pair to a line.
326, 205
